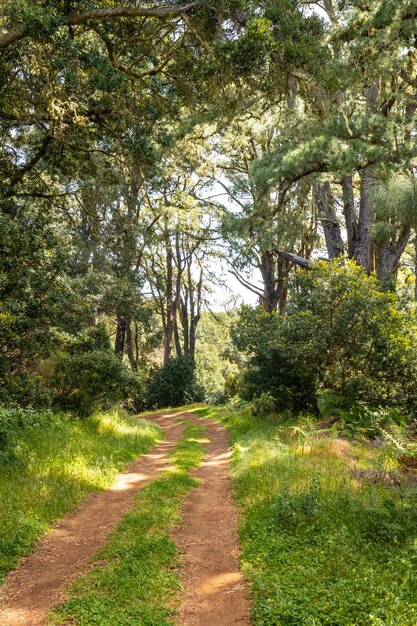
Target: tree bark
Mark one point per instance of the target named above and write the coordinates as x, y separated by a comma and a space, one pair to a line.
363, 247
388, 256
129, 347
173, 295
364, 243
177, 340
328, 218
270, 297
169, 330
349, 212
119, 345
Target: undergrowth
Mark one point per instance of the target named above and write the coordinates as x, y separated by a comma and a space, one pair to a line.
41, 479
134, 580
319, 547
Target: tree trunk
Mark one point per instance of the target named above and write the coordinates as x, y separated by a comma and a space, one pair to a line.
119, 345
177, 340
193, 335
270, 296
283, 270
350, 216
328, 219
169, 331
185, 324
363, 248
129, 347
388, 256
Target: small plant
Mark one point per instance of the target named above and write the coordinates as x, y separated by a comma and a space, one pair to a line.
264, 405
329, 404
13, 423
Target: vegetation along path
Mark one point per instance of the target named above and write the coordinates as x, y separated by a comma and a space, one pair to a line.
214, 588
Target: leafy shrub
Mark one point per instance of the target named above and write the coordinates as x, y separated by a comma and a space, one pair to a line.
232, 384
13, 422
264, 405
342, 333
25, 390
83, 382
173, 384
90, 339
217, 398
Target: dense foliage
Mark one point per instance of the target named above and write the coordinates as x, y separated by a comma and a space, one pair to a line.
145, 149
342, 335
174, 384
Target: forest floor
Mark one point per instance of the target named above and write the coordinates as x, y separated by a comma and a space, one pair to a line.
180, 493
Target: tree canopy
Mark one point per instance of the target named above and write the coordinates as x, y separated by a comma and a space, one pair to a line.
150, 151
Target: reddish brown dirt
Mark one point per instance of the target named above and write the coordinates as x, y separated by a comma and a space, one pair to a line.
215, 591
40, 581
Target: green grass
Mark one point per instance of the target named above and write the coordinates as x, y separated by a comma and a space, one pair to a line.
135, 580
55, 465
319, 547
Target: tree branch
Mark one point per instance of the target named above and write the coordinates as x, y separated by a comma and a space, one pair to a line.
299, 260
21, 173
246, 284
77, 19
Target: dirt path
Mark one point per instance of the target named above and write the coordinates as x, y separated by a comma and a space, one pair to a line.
215, 593
41, 579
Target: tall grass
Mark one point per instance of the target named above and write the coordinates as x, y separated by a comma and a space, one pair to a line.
52, 465
319, 546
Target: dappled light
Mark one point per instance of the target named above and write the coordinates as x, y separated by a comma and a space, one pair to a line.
208, 312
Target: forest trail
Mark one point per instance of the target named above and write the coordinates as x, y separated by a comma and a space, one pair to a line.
214, 588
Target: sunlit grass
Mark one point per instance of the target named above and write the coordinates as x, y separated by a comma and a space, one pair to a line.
135, 580
319, 546
54, 467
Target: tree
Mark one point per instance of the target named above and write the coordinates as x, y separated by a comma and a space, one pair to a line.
341, 333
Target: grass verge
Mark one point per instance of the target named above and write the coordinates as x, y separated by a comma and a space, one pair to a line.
319, 546
54, 464
134, 580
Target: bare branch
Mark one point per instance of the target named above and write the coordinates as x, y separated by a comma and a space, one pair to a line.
246, 284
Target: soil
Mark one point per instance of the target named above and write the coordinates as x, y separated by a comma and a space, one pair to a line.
215, 592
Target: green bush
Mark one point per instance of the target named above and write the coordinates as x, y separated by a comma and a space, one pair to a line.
342, 333
13, 422
264, 405
25, 390
173, 384
86, 381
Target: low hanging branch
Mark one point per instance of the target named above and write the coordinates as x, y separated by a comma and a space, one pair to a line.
95, 15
